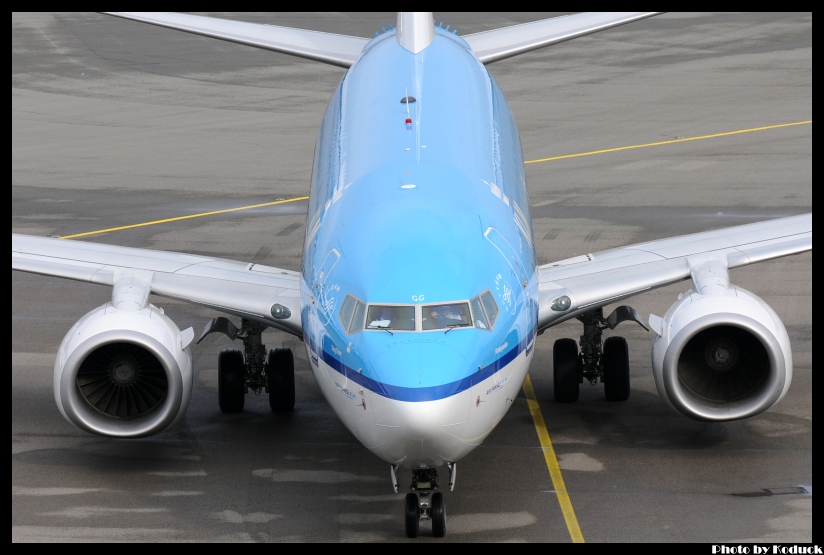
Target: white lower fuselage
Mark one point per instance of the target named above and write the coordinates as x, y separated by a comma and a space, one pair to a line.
427, 433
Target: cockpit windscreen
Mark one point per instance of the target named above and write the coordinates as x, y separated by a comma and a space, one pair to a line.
480, 312
385, 317
442, 316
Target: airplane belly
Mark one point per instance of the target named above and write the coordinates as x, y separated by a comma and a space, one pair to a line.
432, 433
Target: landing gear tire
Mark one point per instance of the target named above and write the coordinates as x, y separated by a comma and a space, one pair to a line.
438, 515
412, 515
616, 369
280, 373
231, 380
565, 370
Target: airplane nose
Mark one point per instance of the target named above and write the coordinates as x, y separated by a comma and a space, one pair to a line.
429, 406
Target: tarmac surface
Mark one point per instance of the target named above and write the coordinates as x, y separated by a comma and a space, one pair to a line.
116, 122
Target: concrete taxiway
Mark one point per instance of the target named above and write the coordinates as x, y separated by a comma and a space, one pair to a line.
116, 123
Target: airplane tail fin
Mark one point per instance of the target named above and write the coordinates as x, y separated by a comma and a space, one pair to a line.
416, 30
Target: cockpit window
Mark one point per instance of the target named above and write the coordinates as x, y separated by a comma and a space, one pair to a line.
347, 308
442, 316
357, 319
351, 314
478, 314
490, 307
384, 317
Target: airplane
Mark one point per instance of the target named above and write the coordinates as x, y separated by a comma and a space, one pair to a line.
419, 299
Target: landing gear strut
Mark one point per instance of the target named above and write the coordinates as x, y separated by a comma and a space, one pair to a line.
424, 502
605, 360
252, 369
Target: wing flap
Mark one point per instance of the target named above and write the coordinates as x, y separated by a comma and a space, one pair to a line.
601, 288
229, 270
776, 248
620, 273
498, 44
226, 285
329, 48
76, 270
247, 300
102, 254
777, 231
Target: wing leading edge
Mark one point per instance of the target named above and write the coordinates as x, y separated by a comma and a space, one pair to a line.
595, 280
237, 288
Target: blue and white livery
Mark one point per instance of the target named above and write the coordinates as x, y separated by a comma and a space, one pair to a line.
419, 299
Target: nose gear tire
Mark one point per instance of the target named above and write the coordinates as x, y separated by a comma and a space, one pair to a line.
438, 515
231, 380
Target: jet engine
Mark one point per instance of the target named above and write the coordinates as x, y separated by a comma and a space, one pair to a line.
124, 372
721, 354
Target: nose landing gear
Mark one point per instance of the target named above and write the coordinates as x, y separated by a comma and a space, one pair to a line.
424, 502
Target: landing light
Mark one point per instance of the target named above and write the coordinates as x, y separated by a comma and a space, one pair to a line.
561, 304
280, 312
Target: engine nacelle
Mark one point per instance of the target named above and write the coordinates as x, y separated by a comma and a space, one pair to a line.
124, 373
721, 356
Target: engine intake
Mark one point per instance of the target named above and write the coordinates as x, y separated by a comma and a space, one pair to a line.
122, 380
123, 373
723, 364
721, 357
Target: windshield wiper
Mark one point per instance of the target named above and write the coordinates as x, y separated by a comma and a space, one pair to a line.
384, 328
451, 327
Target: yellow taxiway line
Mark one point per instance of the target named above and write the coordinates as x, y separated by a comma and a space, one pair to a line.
535, 410
178, 218
673, 141
552, 464
565, 156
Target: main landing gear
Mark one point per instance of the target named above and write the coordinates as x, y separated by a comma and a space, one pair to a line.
607, 360
239, 371
424, 502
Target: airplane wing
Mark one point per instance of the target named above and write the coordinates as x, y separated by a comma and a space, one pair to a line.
237, 288
595, 280
497, 44
338, 50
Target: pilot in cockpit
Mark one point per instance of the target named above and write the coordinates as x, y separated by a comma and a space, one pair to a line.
383, 319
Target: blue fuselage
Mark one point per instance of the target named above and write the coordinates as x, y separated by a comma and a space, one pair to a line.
417, 203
